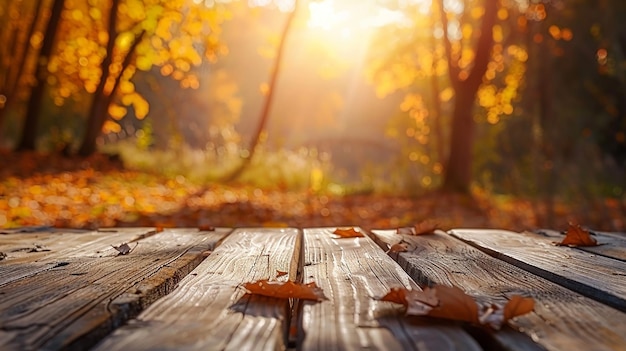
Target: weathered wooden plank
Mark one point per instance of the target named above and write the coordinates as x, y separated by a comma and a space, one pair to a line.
352, 272
612, 245
562, 320
28, 253
210, 311
74, 304
589, 274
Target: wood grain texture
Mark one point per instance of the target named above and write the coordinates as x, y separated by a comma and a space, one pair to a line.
92, 290
210, 311
352, 272
562, 320
592, 275
28, 253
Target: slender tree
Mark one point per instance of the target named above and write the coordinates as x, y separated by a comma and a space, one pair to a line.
98, 109
458, 169
15, 66
31, 123
269, 99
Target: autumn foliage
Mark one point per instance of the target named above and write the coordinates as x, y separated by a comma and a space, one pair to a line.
449, 302
347, 233
577, 236
285, 290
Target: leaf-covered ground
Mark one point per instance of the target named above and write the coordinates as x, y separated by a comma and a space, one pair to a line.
37, 189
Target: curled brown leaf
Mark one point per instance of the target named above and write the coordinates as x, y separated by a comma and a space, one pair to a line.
577, 236
286, 290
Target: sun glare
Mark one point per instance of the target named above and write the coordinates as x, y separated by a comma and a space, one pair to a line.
349, 16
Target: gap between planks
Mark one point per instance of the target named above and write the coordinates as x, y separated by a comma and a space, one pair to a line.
66, 322
591, 271
562, 320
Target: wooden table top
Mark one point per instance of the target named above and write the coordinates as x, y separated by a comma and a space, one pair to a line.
181, 289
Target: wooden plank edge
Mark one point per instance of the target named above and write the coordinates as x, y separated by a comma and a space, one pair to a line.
604, 238
578, 287
134, 300
487, 339
296, 274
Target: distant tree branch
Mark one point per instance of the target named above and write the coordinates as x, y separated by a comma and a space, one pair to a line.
453, 68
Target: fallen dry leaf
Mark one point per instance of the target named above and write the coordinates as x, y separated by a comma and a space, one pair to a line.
399, 247
517, 306
425, 227
280, 273
454, 304
348, 233
422, 228
577, 236
408, 297
449, 302
286, 290
124, 248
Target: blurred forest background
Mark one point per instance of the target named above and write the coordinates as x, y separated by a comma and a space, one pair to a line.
508, 113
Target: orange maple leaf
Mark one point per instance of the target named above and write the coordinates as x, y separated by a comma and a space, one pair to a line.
577, 236
286, 290
348, 233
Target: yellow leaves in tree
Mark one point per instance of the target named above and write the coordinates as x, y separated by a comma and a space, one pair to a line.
140, 105
111, 127
449, 302
143, 63
117, 112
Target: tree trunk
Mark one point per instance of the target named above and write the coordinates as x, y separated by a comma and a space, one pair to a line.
435, 91
31, 123
98, 109
267, 105
17, 68
458, 170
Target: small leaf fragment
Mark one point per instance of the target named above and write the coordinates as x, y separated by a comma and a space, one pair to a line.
413, 300
124, 248
399, 247
348, 233
517, 306
397, 295
577, 236
454, 304
286, 290
206, 228
422, 228
280, 273
425, 227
